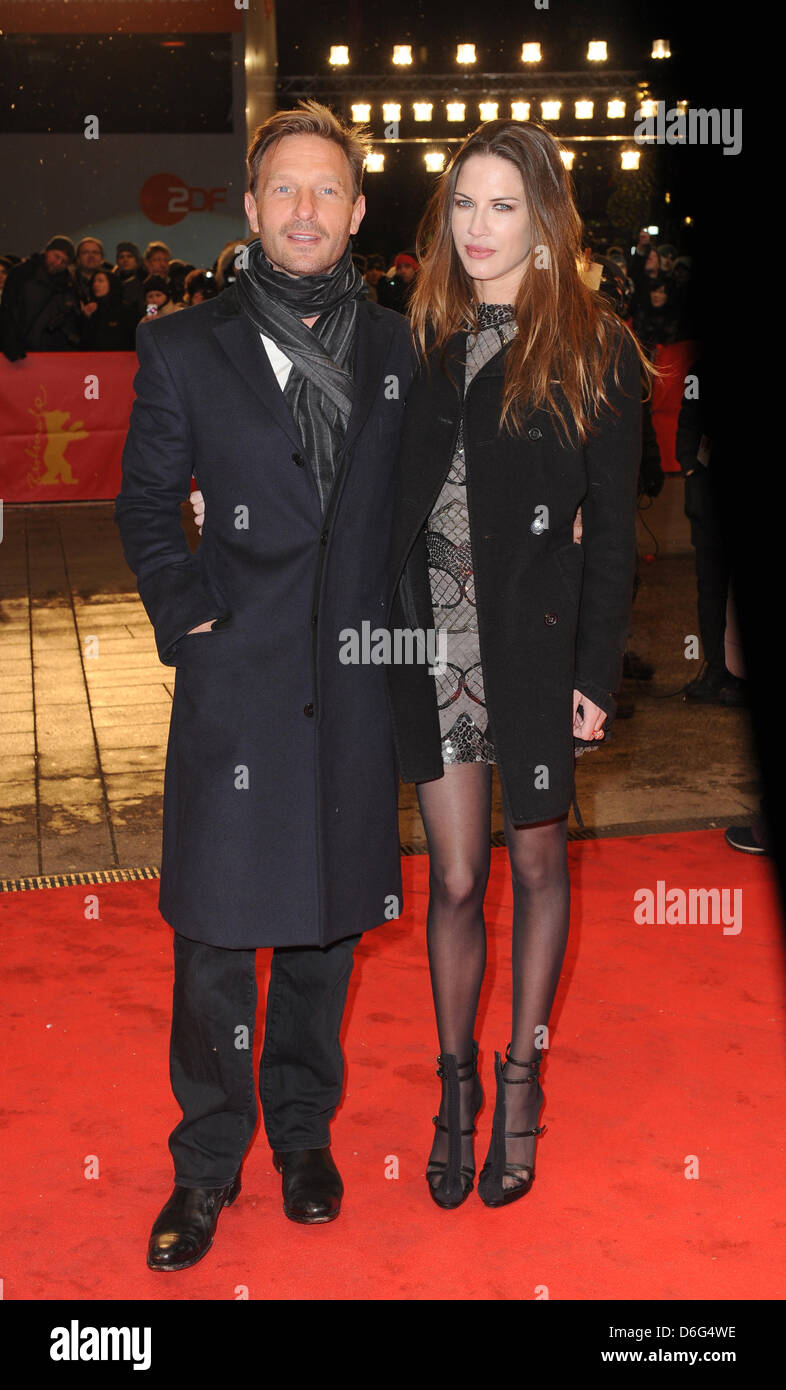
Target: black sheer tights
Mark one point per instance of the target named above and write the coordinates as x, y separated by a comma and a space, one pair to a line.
456, 811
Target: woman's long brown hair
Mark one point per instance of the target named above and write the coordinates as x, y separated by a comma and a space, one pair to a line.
568, 335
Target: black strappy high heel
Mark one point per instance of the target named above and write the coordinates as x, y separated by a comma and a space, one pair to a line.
491, 1184
450, 1183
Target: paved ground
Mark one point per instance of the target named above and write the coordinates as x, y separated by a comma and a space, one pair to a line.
85, 703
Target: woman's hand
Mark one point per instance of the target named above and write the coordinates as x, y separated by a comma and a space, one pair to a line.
90, 307
589, 727
198, 503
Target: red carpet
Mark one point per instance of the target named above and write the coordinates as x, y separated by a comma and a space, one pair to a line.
666, 1043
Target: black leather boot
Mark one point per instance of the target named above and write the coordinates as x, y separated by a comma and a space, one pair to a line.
311, 1186
183, 1230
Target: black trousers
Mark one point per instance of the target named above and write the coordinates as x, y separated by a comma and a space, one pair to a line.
210, 1060
712, 568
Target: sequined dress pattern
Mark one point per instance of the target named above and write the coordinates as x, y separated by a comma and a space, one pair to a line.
463, 718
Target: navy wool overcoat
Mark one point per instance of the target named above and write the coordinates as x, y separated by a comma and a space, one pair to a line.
551, 614
280, 793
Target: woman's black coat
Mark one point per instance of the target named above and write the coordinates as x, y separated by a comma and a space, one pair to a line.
552, 614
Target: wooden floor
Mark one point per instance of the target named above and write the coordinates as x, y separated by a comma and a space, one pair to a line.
85, 705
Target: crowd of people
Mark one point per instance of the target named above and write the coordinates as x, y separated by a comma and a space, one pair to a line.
72, 298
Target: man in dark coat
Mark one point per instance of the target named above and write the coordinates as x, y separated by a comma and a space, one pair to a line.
40, 307
283, 397
130, 272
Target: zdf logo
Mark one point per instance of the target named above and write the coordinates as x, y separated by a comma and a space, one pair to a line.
165, 199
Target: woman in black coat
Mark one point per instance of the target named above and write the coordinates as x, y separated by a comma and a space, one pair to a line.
108, 323
526, 407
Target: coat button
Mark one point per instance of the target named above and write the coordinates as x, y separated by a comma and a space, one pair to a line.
299, 460
323, 540
308, 710
535, 433
549, 619
313, 620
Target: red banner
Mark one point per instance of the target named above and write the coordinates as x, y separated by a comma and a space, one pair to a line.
120, 17
63, 423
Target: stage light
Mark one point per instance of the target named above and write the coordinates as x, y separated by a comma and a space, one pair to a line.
465, 53
519, 110
648, 108
597, 51
567, 157
667, 197
375, 163
687, 221
629, 159
530, 53
422, 110
660, 48
653, 230
489, 110
550, 110
339, 55
391, 111
584, 110
361, 111
615, 109
402, 54
455, 110
435, 161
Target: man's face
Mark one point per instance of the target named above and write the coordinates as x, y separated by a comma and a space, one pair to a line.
126, 261
374, 276
406, 272
658, 297
666, 261
158, 263
304, 211
55, 261
89, 257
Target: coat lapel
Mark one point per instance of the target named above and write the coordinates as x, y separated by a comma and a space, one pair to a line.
423, 470
244, 348
374, 332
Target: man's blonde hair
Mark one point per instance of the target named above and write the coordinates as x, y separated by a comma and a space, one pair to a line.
310, 118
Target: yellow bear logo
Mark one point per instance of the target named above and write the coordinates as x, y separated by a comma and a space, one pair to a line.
53, 435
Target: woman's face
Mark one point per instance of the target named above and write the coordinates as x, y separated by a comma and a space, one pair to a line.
491, 226
652, 263
658, 297
100, 286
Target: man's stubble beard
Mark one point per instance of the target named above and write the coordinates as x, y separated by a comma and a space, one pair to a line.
312, 270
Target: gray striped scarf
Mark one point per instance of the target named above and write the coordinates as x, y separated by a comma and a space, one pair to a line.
320, 387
